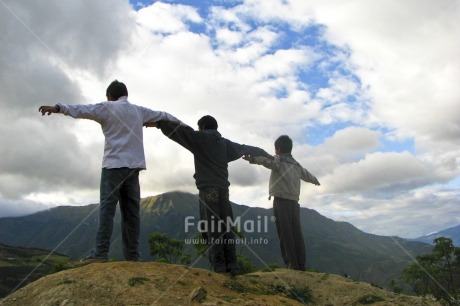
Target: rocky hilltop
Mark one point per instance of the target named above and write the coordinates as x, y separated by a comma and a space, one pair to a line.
150, 283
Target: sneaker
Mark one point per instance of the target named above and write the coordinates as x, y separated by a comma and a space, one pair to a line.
233, 272
88, 260
232, 269
220, 269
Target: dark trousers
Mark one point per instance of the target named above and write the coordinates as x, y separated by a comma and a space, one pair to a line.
215, 209
119, 185
287, 214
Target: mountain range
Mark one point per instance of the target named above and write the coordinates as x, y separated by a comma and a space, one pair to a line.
332, 247
452, 233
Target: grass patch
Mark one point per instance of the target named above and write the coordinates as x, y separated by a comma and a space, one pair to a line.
199, 295
276, 289
270, 268
300, 293
227, 298
59, 266
369, 299
234, 285
134, 281
67, 282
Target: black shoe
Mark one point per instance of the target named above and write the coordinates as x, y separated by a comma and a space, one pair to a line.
232, 269
233, 272
220, 269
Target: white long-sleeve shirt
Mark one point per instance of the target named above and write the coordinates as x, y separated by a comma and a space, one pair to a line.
122, 124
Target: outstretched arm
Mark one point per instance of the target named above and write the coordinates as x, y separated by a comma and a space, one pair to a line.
308, 177
178, 132
269, 162
151, 117
236, 150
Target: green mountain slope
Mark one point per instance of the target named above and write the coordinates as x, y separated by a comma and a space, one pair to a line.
332, 247
21, 266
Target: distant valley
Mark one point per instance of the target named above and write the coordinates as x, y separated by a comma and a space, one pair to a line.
20, 266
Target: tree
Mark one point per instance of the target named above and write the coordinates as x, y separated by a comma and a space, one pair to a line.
394, 286
167, 249
438, 273
444, 250
200, 245
419, 274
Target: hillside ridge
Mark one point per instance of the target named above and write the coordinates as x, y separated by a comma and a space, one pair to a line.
129, 283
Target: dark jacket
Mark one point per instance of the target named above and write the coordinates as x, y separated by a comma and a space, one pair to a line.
211, 152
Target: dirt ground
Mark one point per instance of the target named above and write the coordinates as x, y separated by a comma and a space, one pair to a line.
128, 283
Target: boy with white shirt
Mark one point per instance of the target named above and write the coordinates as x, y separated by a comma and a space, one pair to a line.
122, 124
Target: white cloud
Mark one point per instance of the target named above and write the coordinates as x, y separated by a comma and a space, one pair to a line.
411, 215
166, 18
349, 144
12, 208
228, 37
407, 60
378, 171
296, 13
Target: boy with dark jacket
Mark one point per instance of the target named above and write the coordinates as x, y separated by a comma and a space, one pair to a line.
284, 186
212, 153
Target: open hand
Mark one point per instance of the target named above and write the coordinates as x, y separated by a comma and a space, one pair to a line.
47, 110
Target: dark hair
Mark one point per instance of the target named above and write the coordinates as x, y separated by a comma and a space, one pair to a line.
284, 144
116, 90
207, 123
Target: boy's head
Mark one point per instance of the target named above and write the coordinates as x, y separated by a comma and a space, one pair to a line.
116, 90
207, 123
283, 145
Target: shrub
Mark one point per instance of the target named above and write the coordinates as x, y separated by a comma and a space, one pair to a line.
370, 299
245, 266
300, 293
59, 266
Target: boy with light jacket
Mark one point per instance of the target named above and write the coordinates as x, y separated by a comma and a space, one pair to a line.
284, 186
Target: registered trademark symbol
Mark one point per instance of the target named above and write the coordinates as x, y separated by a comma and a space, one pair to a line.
273, 218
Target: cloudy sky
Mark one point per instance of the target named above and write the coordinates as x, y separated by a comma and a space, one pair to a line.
368, 90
